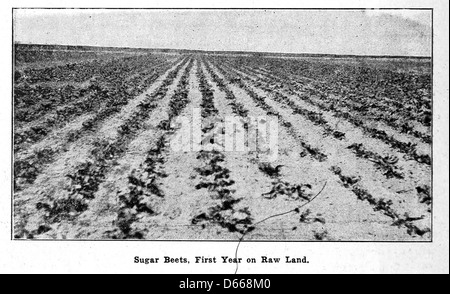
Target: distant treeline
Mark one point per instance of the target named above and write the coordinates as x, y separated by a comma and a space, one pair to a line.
18, 46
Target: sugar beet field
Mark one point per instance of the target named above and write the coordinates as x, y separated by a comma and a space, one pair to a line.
93, 157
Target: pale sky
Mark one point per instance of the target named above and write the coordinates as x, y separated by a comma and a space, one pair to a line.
381, 32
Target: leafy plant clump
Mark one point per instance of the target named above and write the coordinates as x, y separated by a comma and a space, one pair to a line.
293, 191
424, 193
384, 163
270, 170
307, 219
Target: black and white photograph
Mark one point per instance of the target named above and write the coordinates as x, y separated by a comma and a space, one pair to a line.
168, 132
231, 125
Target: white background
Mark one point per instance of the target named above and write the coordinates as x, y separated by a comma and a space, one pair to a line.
117, 256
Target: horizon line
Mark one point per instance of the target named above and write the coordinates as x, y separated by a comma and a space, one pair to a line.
305, 54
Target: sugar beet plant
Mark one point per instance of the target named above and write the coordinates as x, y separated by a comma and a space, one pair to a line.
385, 163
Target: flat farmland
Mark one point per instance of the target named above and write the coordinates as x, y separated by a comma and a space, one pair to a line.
94, 156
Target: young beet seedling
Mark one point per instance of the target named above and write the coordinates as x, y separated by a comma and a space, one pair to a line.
270, 170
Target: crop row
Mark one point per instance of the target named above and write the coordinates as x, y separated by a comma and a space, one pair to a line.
259, 101
143, 182
72, 71
372, 109
348, 182
280, 187
384, 163
26, 170
87, 177
380, 204
99, 98
408, 94
25, 56
409, 149
143, 186
104, 72
376, 109
237, 107
35, 101
368, 108
214, 177
315, 117
398, 121
141, 84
